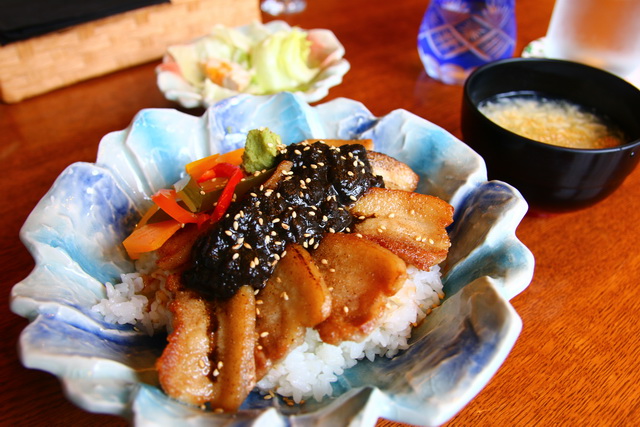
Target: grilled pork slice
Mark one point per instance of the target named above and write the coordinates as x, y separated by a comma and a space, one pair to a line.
209, 355
184, 369
176, 252
235, 343
361, 275
294, 298
396, 175
411, 225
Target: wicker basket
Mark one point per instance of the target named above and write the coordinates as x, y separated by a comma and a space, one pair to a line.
51, 61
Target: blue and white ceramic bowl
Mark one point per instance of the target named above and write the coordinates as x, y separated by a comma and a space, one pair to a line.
75, 235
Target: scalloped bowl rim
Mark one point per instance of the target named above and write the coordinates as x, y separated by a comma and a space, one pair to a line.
487, 213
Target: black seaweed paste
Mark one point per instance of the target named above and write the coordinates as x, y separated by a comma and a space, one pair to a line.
244, 247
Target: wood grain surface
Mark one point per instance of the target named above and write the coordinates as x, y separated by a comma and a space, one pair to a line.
577, 359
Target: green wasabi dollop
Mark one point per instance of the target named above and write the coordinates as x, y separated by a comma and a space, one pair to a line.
260, 150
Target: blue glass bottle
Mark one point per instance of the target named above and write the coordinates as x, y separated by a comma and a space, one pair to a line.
457, 36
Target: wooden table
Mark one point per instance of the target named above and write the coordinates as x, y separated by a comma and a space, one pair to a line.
576, 361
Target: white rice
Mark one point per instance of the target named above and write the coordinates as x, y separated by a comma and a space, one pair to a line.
310, 369
140, 299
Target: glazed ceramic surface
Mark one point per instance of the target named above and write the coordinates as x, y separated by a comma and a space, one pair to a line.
329, 52
75, 235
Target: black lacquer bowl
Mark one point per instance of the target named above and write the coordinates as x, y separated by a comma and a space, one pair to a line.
552, 178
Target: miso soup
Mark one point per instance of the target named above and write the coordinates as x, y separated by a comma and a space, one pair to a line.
552, 121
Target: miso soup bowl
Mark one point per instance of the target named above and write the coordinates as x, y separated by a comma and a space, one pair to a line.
553, 179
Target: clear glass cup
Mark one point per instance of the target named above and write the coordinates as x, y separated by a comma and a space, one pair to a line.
283, 7
604, 34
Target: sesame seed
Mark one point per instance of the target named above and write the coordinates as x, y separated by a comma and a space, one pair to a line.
228, 232
392, 215
285, 226
246, 245
431, 241
358, 235
274, 220
332, 270
216, 373
346, 309
235, 256
353, 198
324, 261
264, 334
285, 296
259, 302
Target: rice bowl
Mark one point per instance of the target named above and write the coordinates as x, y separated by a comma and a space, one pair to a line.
76, 253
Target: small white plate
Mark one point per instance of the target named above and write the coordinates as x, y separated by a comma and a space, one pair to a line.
190, 86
